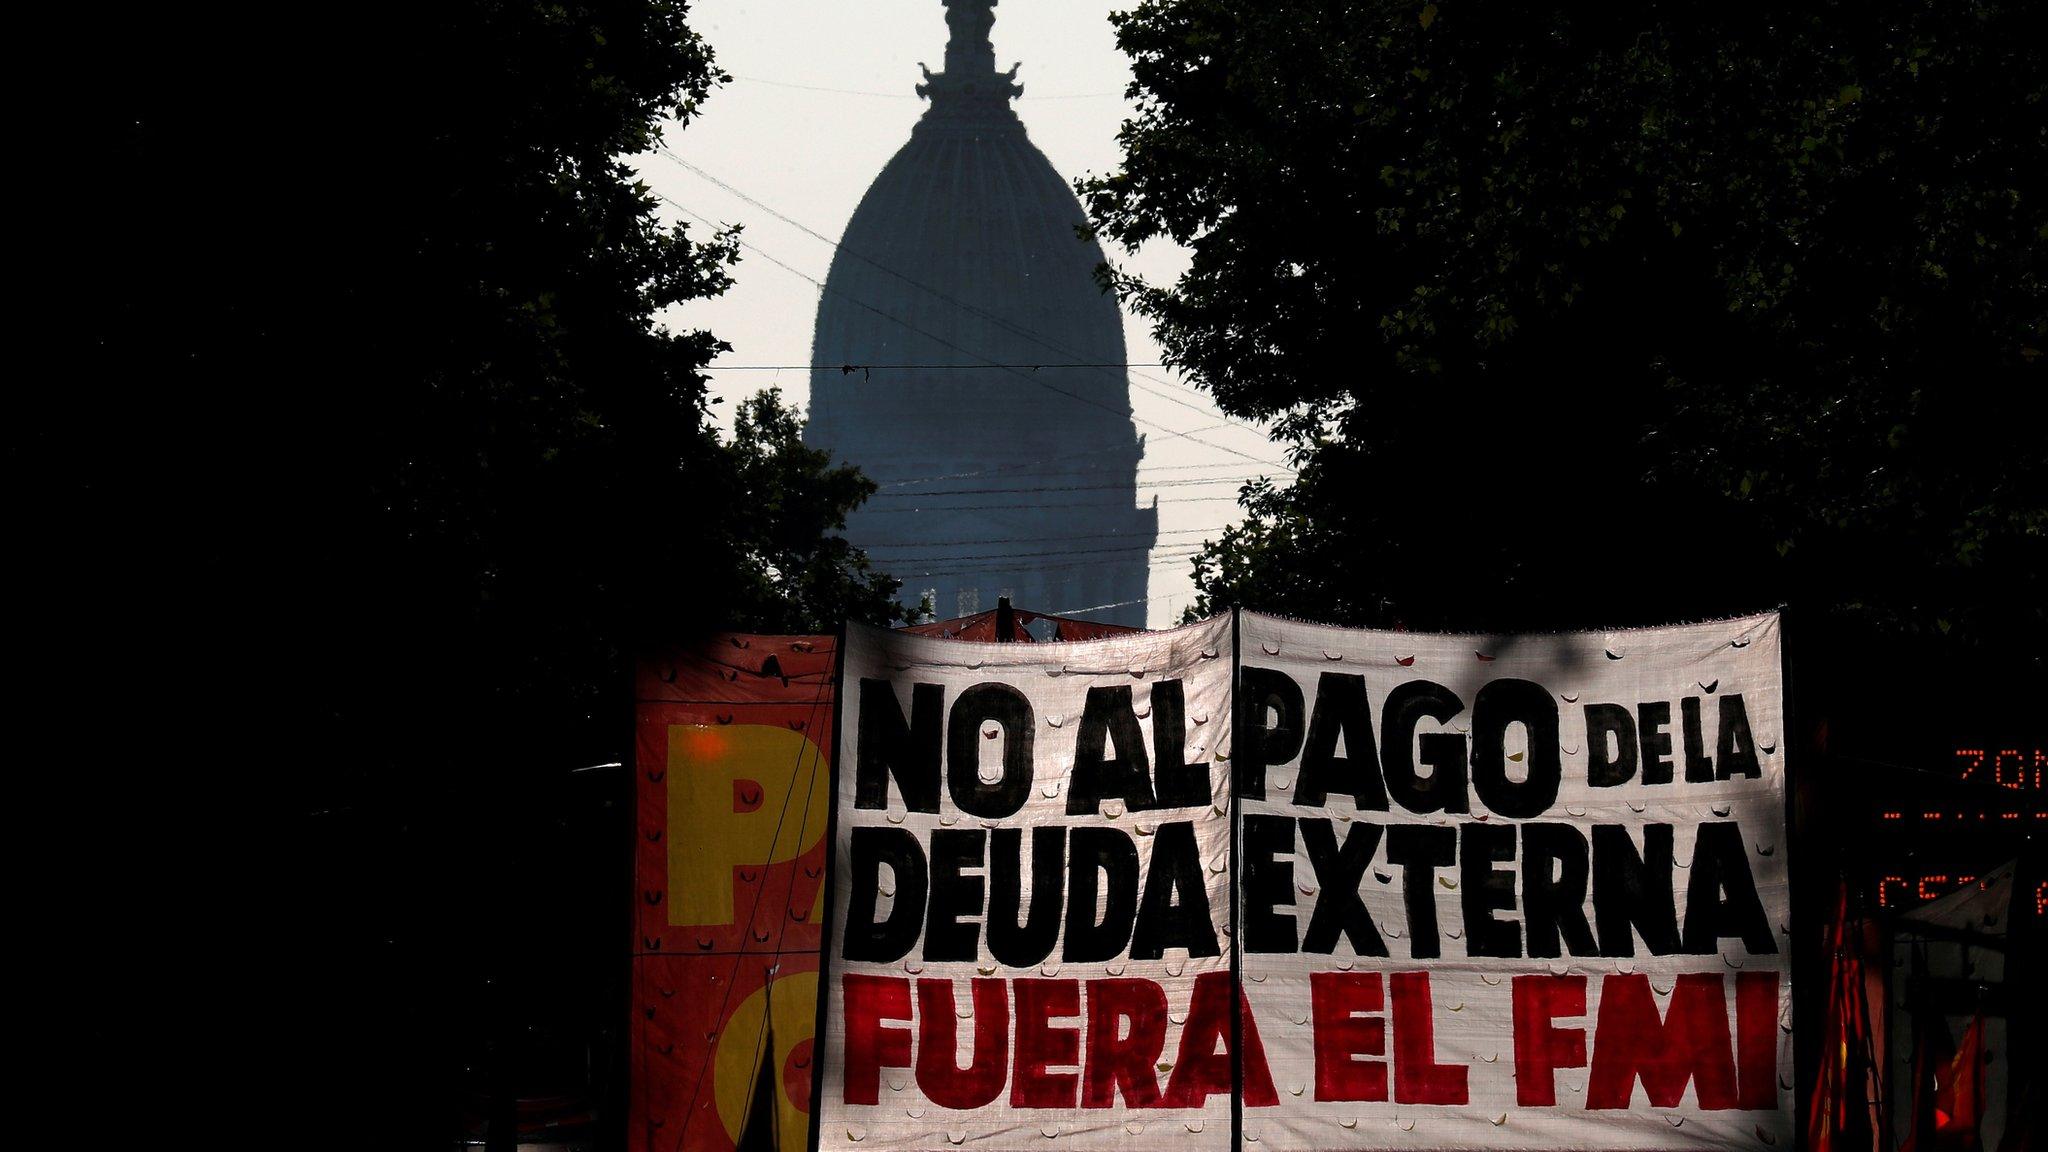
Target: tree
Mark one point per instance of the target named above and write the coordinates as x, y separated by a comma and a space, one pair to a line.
1575, 317
374, 467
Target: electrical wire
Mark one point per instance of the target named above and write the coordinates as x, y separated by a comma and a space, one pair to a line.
1020, 507
1225, 423
1026, 464
910, 95
869, 548
1168, 552
932, 336
951, 559
766, 1028
995, 318
753, 910
1036, 571
1118, 604
1004, 322
849, 369
1131, 484
1024, 469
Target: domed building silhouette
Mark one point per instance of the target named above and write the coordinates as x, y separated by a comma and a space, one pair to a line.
967, 361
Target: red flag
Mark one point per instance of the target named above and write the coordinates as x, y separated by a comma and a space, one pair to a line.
1959, 1103
1838, 1114
1958, 1092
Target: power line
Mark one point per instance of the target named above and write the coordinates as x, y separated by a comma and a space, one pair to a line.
1134, 484
834, 91
1034, 506
1005, 321
1001, 321
849, 369
1033, 555
1026, 465
909, 95
1024, 470
869, 548
1118, 604
753, 910
1234, 472
1279, 468
985, 570
1188, 434
859, 303
1036, 570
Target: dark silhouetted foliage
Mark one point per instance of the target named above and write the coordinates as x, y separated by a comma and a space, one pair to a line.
368, 473
1579, 315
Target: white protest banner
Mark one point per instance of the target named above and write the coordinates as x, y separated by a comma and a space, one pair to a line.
1514, 892
1027, 946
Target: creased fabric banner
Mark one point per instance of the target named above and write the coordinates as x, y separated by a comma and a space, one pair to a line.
732, 789
1028, 941
1514, 892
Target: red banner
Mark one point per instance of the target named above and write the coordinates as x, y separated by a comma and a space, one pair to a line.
731, 784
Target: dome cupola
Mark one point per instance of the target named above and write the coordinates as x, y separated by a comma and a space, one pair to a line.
968, 362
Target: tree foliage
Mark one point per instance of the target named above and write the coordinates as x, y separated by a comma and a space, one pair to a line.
1577, 315
371, 462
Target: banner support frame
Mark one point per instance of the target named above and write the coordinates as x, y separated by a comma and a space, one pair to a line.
1238, 1006
1799, 981
829, 879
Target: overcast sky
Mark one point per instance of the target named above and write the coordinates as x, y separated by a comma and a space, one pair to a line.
822, 96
